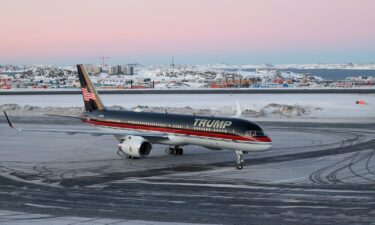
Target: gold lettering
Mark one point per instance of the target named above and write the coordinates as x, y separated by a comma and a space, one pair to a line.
202, 123
210, 123
227, 124
219, 124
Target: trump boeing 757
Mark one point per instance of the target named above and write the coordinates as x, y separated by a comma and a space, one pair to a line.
136, 132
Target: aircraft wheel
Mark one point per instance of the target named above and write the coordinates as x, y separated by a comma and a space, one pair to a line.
174, 151
179, 151
239, 166
170, 151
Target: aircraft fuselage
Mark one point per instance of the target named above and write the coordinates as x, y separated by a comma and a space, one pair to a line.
211, 132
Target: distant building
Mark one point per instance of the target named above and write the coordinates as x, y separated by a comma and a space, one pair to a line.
4, 81
114, 70
128, 70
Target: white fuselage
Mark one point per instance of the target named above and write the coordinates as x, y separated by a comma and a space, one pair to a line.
211, 143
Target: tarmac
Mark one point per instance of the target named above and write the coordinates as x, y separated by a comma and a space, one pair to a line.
317, 173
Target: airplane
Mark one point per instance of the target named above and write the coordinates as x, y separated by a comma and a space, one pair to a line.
136, 132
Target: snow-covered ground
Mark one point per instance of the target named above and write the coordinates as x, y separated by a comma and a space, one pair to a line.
351, 66
19, 218
195, 76
257, 106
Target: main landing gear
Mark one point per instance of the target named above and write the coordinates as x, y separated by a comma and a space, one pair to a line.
239, 161
176, 150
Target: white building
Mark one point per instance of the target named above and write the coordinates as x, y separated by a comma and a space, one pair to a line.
114, 70
128, 70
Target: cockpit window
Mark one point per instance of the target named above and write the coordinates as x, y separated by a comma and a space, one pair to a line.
255, 133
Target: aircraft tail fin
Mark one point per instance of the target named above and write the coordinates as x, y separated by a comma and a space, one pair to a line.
90, 95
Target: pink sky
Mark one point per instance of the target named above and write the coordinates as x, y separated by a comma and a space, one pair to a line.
67, 30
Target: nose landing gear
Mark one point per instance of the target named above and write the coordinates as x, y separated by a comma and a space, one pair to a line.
239, 161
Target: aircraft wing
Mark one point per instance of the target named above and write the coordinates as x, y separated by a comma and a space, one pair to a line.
118, 134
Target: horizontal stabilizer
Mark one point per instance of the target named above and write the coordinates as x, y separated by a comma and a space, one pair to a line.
8, 120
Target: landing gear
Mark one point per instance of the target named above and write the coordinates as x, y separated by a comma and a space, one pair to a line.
239, 161
176, 150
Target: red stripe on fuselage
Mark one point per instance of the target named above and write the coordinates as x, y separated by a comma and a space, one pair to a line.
179, 131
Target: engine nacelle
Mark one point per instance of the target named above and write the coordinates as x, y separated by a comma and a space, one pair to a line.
135, 146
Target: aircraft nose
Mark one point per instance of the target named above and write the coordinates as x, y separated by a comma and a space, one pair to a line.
268, 146
266, 143
264, 139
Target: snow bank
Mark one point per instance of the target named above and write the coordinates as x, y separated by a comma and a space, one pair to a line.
284, 110
254, 106
270, 110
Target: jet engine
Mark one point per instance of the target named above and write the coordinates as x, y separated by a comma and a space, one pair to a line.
135, 146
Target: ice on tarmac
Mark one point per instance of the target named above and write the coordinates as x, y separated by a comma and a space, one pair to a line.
19, 218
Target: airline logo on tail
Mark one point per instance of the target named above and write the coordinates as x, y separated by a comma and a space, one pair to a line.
87, 96
90, 96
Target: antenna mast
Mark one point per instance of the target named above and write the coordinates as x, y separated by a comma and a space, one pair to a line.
103, 58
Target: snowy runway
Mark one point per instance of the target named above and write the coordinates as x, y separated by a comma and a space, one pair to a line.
317, 173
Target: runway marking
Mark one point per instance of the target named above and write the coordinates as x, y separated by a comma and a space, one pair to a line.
216, 185
45, 206
242, 186
287, 180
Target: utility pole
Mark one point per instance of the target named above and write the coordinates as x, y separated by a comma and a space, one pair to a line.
102, 59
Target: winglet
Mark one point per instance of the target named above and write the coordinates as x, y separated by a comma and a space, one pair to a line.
8, 120
239, 111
